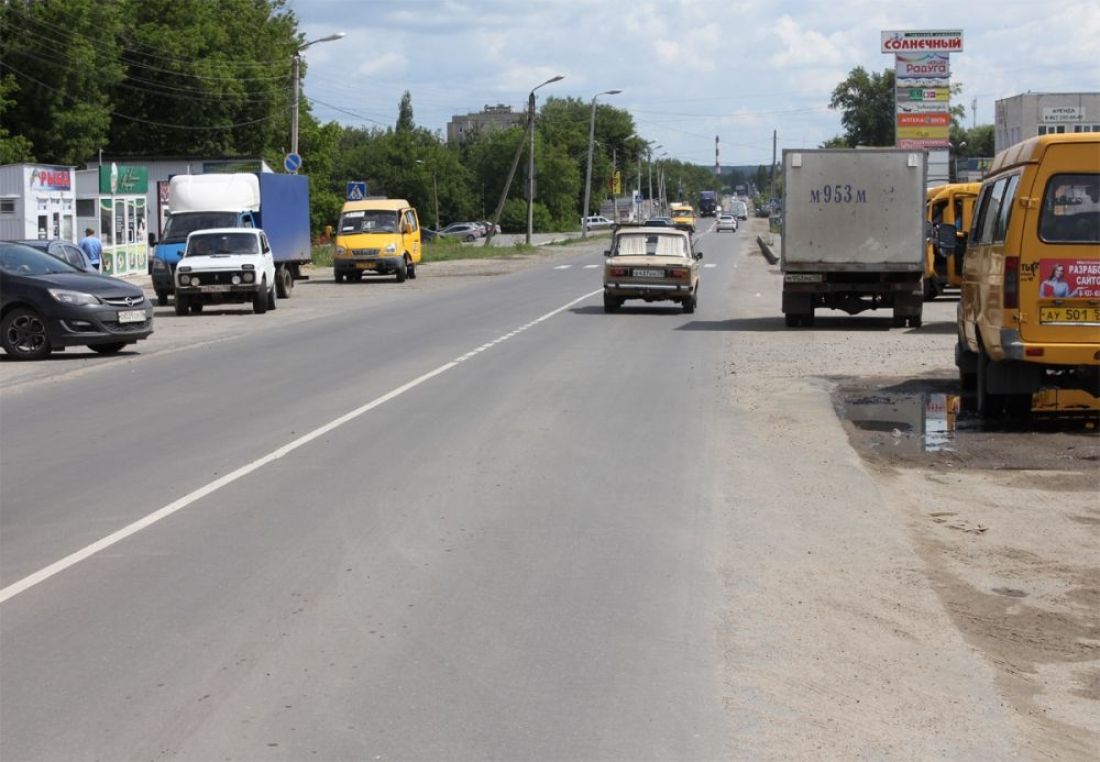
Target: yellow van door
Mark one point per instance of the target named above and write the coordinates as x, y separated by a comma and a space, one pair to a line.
1060, 250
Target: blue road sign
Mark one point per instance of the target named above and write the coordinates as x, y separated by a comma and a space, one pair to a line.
292, 162
357, 191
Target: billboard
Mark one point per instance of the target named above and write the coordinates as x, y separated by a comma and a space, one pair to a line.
932, 40
922, 66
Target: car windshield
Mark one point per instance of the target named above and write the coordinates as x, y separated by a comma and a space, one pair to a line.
368, 221
182, 224
222, 243
650, 244
16, 259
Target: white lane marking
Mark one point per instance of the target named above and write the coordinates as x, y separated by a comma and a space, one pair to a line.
710, 266
590, 267
86, 552
563, 267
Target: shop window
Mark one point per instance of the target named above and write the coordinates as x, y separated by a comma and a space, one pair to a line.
7, 206
106, 222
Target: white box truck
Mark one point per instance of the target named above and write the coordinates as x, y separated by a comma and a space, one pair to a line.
853, 232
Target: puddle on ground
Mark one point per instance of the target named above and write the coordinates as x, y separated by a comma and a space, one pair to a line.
924, 421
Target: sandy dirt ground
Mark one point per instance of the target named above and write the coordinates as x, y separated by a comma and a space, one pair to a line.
931, 548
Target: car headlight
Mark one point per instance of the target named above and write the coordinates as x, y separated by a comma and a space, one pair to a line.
159, 264
235, 280
249, 277
341, 251
391, 249
185, 280
76, 298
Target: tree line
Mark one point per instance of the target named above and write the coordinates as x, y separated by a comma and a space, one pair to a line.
213, 78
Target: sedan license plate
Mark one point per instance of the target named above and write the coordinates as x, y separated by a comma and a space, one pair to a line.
1079, 315
803, 278
366, 265
131, 316
648, 273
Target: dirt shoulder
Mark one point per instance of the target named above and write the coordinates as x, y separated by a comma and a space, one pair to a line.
908, 551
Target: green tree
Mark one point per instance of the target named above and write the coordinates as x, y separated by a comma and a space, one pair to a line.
866, 103
405, 114
14, 149
65, 58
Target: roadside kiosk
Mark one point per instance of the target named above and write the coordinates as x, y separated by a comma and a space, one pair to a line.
111, 199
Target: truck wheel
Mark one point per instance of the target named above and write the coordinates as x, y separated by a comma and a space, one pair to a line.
915, 321
611, 303
196, 306
403, 270
412, 271
259, 300
338, 277
284, 282
899, 319
791, 320
272, 302
182, 304
992, 406
162, 298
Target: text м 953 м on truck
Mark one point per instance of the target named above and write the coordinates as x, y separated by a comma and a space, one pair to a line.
277, 203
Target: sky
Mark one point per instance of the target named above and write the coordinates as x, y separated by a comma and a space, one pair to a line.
689, 70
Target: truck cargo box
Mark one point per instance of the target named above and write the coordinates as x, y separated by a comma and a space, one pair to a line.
858, 210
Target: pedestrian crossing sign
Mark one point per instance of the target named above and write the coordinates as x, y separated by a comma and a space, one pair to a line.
357, 191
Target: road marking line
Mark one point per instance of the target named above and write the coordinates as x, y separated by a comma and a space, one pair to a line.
133, 528
590, 267
710, 266
563, 267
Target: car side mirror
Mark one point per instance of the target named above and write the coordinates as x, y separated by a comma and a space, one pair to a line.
152, 239
698, 255
607, 253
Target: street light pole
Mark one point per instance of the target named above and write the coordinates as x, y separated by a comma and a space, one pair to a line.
531, 156
588, 172
297, 88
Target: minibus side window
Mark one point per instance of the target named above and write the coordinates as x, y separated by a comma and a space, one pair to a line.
1001, 229
1071, 209
991, 211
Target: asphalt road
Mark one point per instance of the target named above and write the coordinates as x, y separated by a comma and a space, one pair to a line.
474, 517
502, 547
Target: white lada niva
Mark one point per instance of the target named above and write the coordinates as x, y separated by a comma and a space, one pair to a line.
226, 266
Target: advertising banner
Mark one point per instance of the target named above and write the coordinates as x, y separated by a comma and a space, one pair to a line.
922, 66
941, 119
1069, 278
51, 178
924, 94
941, 41
1063, 115
119, 178
922, 107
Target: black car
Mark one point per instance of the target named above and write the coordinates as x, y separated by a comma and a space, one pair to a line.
63, 250
46, 304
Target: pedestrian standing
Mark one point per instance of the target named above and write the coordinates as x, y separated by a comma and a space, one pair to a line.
92, 248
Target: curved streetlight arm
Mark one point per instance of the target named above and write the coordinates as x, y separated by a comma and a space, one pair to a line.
588, 171
297, 86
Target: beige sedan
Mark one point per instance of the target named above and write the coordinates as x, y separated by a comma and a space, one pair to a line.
652, 264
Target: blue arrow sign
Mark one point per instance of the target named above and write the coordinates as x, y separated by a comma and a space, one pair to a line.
357, 191
292, 162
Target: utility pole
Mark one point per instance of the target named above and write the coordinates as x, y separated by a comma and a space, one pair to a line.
771, 192
974, 113
504, 193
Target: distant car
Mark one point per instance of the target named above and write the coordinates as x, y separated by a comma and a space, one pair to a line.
653, 264
726, 222
427, 234
659, 222
466, 231
47, 304
63, 250
597, 222
487, 225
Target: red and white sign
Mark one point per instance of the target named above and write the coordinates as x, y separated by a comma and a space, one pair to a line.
51, 178
930, 41
924, 120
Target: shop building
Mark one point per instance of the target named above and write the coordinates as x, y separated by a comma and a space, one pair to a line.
1025, 116
37, 201
111, 199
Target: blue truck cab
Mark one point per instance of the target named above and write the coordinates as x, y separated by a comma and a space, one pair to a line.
279, 204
